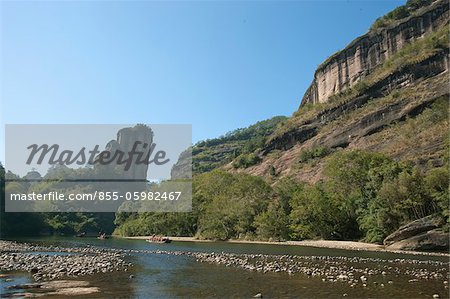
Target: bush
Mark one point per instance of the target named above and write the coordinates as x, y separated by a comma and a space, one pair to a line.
246, 160
398, 13
228, 204
437, 182
364, 195
416, 4
313, 153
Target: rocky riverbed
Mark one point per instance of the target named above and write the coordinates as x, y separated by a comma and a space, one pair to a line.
53, 263
353, 270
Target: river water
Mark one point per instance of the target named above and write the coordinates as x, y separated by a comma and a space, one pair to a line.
169, 276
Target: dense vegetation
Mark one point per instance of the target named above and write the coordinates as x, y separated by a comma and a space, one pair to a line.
224, 206
27, 223
364, 196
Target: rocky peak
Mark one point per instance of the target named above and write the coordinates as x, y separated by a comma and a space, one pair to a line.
126, 139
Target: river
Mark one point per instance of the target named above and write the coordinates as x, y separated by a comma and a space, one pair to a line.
168, 276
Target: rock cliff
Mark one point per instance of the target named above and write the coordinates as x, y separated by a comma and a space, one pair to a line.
345, 68
125, 142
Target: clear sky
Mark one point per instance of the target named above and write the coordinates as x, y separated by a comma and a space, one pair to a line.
218, 65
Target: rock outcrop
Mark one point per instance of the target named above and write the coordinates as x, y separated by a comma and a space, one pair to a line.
421, 234
183, 168
126, 139
413, 228
435, 240
434, 66
345, 68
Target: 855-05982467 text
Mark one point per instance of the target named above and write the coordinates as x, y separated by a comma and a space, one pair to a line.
98, 195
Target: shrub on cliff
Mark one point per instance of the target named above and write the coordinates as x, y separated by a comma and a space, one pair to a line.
246, 160
400, 12
416, 4
309, 154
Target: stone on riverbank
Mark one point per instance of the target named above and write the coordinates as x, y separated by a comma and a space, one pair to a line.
413, 228
58, 284
56, 287
75, 291
431, 240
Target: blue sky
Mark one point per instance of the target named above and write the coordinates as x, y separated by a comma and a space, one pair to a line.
218, 65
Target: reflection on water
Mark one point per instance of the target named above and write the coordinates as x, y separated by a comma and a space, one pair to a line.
167, 276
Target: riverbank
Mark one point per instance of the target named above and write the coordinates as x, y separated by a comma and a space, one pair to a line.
332, 244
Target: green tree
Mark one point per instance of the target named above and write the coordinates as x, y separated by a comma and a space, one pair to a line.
273, 223
315, 213
437, 182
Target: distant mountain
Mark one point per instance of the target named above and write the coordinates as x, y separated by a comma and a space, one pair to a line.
240, 143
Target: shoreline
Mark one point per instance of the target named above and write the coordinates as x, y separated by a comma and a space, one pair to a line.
331, 244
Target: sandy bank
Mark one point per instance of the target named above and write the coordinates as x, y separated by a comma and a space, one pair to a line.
347, 245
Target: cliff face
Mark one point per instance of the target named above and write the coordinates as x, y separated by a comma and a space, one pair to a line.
359, 58
430, 73
398, 108
126, 139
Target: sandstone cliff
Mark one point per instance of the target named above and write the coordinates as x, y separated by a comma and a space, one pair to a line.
125, 142
345, 68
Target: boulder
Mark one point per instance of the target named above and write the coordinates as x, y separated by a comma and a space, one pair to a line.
413, 228
432, 240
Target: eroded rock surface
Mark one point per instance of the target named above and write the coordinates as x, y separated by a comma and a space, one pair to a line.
413, 228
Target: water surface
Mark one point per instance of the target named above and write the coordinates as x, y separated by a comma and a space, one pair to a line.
168, 276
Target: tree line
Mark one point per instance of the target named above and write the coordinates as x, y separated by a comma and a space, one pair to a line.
363, 196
